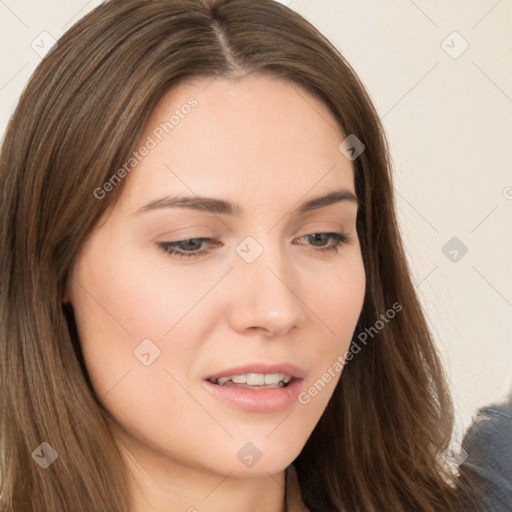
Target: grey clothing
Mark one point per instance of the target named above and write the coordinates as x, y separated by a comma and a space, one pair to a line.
488, 443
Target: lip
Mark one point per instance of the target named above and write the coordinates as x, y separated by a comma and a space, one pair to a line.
258, 400
286, 368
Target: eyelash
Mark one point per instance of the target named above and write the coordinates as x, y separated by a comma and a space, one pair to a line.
169, 247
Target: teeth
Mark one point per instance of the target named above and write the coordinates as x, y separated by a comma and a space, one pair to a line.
256, 379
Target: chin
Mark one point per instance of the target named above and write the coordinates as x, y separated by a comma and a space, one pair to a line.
243, 459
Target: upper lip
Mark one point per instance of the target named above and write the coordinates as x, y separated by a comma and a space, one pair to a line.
286, 368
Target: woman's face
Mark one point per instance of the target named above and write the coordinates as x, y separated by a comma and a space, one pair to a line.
249, 281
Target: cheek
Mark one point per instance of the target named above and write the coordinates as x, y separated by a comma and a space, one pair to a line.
125, 294
337, 303
137, 372
337, 300
139, 329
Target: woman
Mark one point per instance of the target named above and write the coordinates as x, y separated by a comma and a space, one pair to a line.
206, 303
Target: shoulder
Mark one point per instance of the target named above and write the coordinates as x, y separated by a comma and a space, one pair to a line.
487, 447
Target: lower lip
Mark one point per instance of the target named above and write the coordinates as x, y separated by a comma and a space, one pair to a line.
257, 400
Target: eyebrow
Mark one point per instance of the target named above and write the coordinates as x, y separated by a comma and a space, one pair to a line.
221, 206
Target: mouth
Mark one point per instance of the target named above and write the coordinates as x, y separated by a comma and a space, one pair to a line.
254, 380
258, 387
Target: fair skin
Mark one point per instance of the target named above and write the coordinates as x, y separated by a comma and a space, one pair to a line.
261, 144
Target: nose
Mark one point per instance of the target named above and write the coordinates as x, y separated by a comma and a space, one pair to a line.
265, 297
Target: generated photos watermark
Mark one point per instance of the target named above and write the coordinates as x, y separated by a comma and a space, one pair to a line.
151, 142
338, 365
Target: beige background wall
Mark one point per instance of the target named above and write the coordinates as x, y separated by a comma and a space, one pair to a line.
447, 110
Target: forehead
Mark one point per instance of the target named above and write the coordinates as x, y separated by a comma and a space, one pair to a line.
256, 138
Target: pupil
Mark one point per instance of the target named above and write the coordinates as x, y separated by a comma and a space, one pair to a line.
318, 237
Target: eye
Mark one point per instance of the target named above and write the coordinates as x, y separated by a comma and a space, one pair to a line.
319, 238
193, 247
186, 248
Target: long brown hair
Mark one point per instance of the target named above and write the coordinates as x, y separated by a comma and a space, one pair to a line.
378, 444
